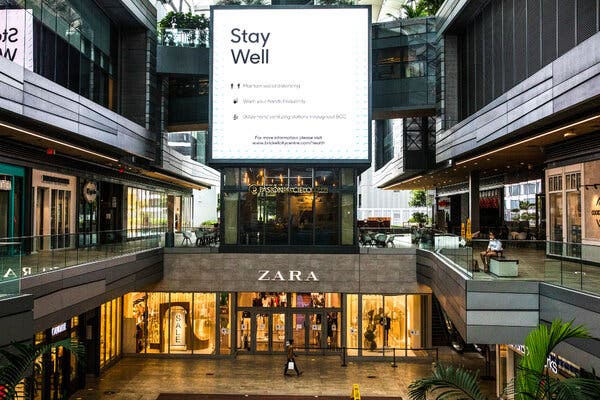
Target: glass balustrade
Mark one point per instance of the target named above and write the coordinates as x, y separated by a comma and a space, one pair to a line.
22, 256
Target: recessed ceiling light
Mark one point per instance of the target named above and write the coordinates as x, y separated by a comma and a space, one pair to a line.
569, 134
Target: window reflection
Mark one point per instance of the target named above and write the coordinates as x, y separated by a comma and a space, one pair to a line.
288, 206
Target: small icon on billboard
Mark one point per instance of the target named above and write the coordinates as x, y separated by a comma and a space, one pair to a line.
235, 116
235, 101
232, 85
238, 85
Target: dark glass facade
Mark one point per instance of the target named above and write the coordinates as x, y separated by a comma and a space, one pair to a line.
74, 44
510, 40
188, 100
403, 60
278, 206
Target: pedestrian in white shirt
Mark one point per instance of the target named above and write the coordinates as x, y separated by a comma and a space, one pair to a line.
494, 246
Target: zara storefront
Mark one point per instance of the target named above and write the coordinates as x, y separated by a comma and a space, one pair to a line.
212, 324
221, 304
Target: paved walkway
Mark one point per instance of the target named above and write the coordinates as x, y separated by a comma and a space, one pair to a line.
135, 378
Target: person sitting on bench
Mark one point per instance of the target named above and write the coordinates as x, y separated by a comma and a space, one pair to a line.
494, 247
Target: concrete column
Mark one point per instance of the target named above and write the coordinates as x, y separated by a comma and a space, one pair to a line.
474, 200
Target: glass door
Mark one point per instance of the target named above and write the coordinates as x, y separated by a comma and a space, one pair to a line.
308, 332
300, 326
244, 337
42, 241
261, 332
278, 332
573, 214
316, 329
59, 217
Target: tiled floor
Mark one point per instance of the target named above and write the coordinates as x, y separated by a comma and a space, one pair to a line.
146, 378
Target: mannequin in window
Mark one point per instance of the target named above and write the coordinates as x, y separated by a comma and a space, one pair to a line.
385, 322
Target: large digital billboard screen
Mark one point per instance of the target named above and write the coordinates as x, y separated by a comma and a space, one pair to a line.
16, 36
290, 84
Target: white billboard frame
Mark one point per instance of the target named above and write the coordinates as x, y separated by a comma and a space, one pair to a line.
365, 157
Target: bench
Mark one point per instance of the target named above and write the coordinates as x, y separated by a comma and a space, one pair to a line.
501, 266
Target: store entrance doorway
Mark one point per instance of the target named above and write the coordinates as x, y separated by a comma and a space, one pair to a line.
265, 331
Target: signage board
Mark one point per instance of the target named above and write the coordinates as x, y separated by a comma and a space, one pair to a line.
283, 92
554, 362
16, 36
58, 329
5, 184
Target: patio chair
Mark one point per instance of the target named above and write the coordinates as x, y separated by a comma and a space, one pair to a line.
187, 238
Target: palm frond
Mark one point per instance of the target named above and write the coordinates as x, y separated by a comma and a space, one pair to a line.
540, 343
20, 360
575, 389
447, 382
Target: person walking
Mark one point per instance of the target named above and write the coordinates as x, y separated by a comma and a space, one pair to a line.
291, 359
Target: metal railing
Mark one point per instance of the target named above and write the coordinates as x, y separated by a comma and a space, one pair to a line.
391, 354
202, 236
568, 264
183, 37
31, 255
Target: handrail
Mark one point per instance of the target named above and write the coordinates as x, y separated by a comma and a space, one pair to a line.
32, 255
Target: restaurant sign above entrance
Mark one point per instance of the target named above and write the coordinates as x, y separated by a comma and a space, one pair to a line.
271, 275
273, 189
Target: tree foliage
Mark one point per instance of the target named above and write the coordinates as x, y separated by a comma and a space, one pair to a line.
416, 11
533, 381
418, 198
418, 217
184, 21
19, 361
447, 382
533, 378
421, 8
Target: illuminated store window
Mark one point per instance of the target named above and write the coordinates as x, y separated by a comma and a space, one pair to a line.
352, 338
174, 323
147, 212
157, 336
262, 299
564, 210
386, 324
204, 323
181, 332
225, 323
110, 332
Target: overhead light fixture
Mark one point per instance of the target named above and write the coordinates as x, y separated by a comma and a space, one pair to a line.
569, 134
416, 178
81, 149
541, 135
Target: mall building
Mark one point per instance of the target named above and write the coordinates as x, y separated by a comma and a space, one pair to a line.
96, 209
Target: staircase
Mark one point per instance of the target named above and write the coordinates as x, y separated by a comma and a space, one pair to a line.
439, 332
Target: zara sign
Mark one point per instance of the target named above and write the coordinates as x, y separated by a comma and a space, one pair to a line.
292, 275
